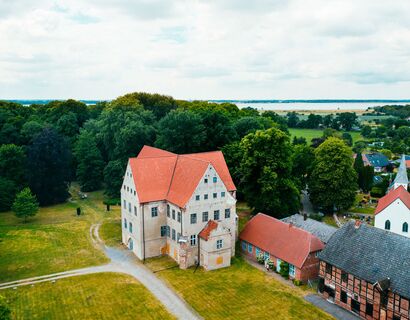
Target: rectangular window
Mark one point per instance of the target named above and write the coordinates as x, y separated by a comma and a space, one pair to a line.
129, 207
154, 212
291, 270
168, 210
206, 180
266, 255
130, 227
163, 231
193, 218
128, 188
384, 299
244, 245
125, 223
173, 234
135, 193
249, 248
135, 210
125, 204
197, 197
219, 244
223, 194
343, 296
215, 179
344, 276
215, 195
369, 309
168, 231
204, 216
257, 251
205, 197
124, 187
179, 216
227, 213
193, 240
328, 268
173, 214
216, 215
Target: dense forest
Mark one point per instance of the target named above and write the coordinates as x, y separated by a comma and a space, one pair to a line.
46, 147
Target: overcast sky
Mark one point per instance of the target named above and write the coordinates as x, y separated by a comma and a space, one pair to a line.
220, 49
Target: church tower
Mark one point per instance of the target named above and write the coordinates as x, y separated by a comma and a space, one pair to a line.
401, 177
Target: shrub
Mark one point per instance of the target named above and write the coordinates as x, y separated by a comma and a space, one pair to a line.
297, 282
284, 269
376, 192
260, 259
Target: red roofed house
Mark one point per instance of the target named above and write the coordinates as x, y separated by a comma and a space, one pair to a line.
180, 205
393, 210
280, 241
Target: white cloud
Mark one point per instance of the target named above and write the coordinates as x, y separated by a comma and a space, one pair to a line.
205, 49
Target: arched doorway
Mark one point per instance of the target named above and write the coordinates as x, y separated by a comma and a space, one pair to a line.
130, 244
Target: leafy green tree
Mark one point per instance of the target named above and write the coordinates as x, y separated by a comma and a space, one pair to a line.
299, 140
347, 137
49, 159
293, 119
266, 167
367, 178
333, 182
279, 120
358, 166
249, 112
233, 154
13, 163
359, 146
5, 312
113, 174
25, 205
246, 125
30, 129
347, 120
302, 160
366, 131
90, 164
8, 190
181, 132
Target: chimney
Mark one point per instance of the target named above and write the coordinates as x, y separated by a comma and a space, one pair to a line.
357, 224
305, 216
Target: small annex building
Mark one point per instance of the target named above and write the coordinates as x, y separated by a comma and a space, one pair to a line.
377, 160
393, 210
280, 241
366, 270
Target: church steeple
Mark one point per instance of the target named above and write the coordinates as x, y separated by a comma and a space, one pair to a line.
401, 177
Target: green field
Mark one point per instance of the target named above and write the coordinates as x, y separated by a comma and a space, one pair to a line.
99, 296
238, 292
309, 134
54, 240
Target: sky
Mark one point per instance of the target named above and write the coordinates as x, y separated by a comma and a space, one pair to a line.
216, 49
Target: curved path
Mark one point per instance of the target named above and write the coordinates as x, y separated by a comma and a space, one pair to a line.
122, 261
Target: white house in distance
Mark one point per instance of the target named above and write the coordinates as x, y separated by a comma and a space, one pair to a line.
180, 205
393, 210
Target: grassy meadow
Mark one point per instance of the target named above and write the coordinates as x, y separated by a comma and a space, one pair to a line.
238, 292
101, 296
309, 134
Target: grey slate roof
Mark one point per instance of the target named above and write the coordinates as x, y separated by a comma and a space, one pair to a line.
401, 176
318, 229
371, 254
377, 159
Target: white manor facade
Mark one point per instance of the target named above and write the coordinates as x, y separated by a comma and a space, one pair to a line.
393, 210
180, 205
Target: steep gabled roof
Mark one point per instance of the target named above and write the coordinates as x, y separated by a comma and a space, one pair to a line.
377, 159
371, 254
394, 194
283, 240
401, 177
162, 175
319, 229
206, 231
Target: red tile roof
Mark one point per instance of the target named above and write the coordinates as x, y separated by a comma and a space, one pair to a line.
206, 231
398, 193
162, 175
408, 163
282, 240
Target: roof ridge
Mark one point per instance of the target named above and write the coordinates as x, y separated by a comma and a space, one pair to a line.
172, 177
192, 158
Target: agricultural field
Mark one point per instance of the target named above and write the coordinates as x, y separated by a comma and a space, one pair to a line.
98, 296
309, 134
238, 292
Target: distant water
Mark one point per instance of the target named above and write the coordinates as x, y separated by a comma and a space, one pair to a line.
278, 104
314, 104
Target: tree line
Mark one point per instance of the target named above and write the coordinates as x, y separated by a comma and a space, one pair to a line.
45, 147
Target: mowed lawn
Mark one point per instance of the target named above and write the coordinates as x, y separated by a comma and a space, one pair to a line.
54, 240
110, 232
99, 296
309, 134
238, 292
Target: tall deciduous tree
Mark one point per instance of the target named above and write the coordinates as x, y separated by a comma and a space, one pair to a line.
48, 166
367, 180
333, 182
13, 163
113, 174
266, 167
90, 164
25, 205
302, 160
181, 132
8, 190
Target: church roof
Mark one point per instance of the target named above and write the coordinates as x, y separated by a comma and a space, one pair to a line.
394, 194
401, 177
162, 175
